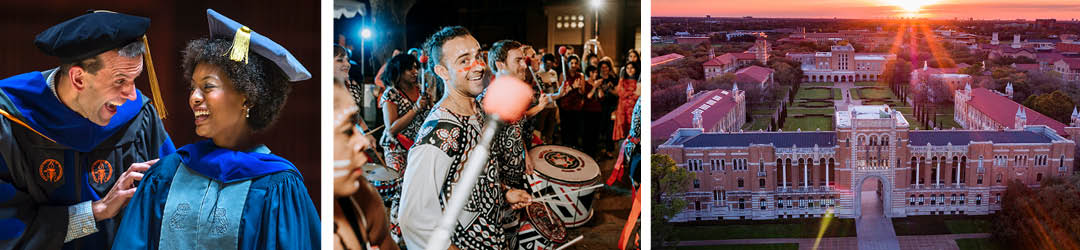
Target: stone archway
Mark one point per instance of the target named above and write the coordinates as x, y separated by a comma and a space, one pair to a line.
884, 193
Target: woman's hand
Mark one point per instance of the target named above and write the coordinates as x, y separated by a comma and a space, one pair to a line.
422, 103
518, 198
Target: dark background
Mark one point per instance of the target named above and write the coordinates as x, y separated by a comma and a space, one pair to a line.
293, 24
489, 21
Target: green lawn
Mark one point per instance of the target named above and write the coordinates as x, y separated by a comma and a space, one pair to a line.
911, 120
808, 123
759, 122
977, 244
824, 111
762, 111
811, 104
968, 226
863, 84
758, 229
815, 93
871, 93
947, 122
941, 224
817, 84
838, 94
781, 246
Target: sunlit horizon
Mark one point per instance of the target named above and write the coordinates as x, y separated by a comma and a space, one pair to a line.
1062, 10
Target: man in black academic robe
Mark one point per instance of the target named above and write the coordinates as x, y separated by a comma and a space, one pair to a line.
75, 139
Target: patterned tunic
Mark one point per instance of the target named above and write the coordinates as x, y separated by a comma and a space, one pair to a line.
508, 150
395, 153
448, 138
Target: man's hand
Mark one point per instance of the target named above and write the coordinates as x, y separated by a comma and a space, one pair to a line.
518, 198
121, 191
543, 101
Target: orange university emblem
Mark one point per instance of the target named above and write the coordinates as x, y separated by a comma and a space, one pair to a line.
51, 170
101, 171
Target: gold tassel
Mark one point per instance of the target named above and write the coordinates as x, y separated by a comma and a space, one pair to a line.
241, 43
159, 104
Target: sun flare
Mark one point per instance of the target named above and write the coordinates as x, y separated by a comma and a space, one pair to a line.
910, 7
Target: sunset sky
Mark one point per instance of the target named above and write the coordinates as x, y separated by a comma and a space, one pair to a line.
1062, 10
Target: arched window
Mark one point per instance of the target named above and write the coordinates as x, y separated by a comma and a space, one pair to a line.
697, 183
911, 201
761, 183
742, 204
978, 199
740, 182
885, 140
763, 204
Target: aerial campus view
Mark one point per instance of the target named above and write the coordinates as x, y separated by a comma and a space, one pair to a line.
865, 124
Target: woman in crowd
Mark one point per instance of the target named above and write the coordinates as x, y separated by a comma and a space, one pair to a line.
628, 92
404, 106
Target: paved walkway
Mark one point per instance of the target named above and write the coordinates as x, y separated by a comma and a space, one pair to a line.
942, 241
845, 93
875, 231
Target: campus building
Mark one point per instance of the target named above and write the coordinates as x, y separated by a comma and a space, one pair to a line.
842, 64
984, 109
714, 110
800, 174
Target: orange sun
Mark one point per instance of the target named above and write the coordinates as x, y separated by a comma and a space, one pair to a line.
910, 8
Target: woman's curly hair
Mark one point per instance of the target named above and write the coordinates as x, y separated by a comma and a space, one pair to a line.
260, 80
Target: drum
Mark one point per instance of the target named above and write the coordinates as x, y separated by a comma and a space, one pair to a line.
386, 180
542, 230
559, 170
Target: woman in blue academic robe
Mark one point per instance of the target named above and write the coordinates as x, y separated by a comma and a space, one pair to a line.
227, 192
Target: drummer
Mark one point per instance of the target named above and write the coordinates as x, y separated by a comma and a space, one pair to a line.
507, 59
449, 134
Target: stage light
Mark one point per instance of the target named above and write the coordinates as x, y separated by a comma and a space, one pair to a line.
365, 33
596, 3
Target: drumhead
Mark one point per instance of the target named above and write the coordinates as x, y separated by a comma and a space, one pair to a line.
376, 172
547, 223
564, 164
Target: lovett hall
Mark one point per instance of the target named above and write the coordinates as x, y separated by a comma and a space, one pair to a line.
799, 174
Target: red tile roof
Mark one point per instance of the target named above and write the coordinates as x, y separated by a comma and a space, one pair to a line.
714, 106
753, 74
1048, 57
721, 60
744, 56
1074, 63
665, 59
1003, 110
1031, 67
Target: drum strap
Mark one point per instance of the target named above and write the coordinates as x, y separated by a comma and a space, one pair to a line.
635, 214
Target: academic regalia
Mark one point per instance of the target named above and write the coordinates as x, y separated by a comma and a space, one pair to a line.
227, 200
40, 178
52, 159
208, 197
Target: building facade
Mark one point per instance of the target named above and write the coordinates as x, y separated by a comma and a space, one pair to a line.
712, 110
984, 109
770, 175
842, 64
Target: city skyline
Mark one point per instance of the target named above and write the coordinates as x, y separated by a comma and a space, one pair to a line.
875, 9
